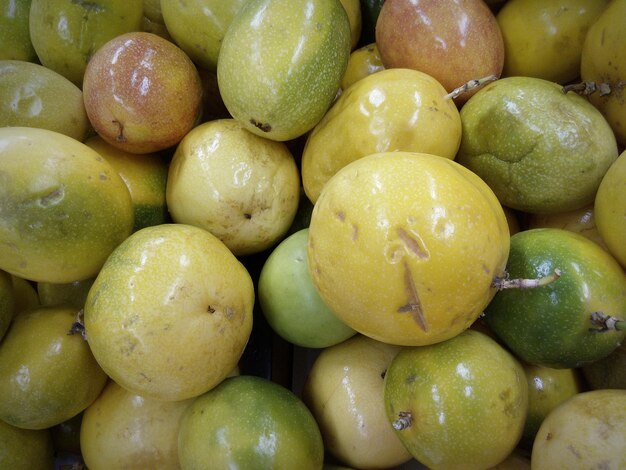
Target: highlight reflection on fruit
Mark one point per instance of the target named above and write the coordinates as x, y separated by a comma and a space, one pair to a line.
337, 213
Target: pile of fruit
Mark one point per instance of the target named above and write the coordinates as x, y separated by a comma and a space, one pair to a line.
275, 234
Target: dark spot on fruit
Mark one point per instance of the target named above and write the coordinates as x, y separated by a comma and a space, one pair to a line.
410, 379
383, 373
548, 436
120, 137
412, 244
247, 216
264, 126
414, 305
103, 177
210, 309
53, 197
574, 451
340, 215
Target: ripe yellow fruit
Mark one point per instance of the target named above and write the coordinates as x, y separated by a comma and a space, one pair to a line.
392, 110
403, 247
170, 313
63, 207
609, 209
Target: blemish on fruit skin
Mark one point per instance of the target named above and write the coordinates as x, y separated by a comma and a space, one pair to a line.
574, 451
265, 127
340, 215
355, 232
414, 245
52, 198
120, 137
413, 306
548, 436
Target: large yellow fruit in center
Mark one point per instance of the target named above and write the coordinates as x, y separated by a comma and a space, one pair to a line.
403, 247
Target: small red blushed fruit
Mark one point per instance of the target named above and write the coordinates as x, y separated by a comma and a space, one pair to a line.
454, 42
142, 93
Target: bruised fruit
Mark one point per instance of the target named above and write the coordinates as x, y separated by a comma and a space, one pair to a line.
403, 247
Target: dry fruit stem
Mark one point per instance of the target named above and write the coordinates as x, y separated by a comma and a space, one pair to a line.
467, 86
501, 283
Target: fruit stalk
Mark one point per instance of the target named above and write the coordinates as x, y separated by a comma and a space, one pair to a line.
501, 283
607, 322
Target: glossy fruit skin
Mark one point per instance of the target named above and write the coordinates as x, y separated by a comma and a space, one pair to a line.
344, 391
145, 176
265, 78
551, 325
249, 422
241, 187
609, 209
142, 93
603, 60
63, 206
540, 150
66, 34
545, 39
25, 448
199, 26
170, 312
392, 110
121, 429
454, 42
547, 388
32, 95
467, 397
362, 62
290, 302
394, 248
14, 32
586, 431
46, 374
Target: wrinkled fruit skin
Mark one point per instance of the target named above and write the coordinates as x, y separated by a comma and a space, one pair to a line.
539, 149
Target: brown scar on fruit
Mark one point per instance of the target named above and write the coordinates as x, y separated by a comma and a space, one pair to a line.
264, 126
120, 137
355, 232
210, 309
411, 243
413, 306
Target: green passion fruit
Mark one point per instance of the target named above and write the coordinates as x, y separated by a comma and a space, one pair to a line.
539, 149
47, 374
568, 322
249, 422
281, 62
457, 404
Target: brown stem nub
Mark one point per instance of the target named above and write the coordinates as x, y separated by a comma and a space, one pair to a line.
501, 283
405, 419
467, 86
587, 87
78, 327
606, 323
